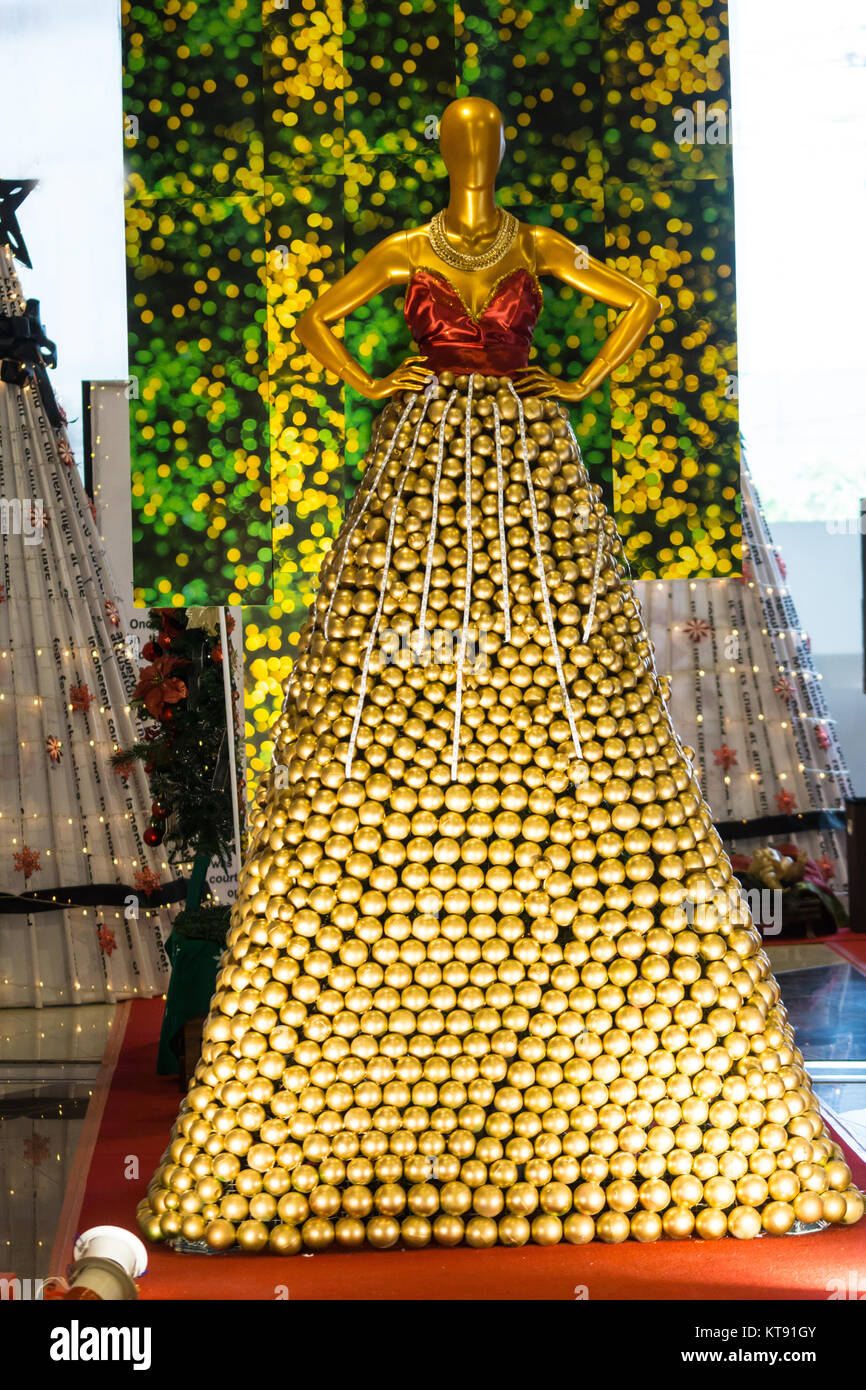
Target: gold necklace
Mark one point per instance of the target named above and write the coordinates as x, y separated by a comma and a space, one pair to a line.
461, 260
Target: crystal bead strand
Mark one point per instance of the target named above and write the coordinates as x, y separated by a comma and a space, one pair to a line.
353, 525
569, 712
389, 545
503, 550
467, 591
596, 576
434, 521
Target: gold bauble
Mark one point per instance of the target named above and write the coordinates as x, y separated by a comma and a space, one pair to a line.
711, 1223
285, 1240
416, 1232
252, 1236
744, 1223
579, 1229
777, 1218
546, 1229
349, 1233
481, 1232
678, 1223
834, 1206
612, 1227
513, 1230
646, 1226
808, 1207
220, 1235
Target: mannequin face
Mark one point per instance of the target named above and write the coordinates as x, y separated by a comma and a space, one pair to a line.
472, 141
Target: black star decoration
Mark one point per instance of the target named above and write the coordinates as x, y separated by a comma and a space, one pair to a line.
12, 195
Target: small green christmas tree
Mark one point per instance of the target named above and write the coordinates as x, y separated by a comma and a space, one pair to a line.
184, 747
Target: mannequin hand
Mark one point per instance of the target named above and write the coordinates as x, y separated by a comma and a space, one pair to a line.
409, 376
535, 381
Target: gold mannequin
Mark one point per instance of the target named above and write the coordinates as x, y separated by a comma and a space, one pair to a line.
472, 142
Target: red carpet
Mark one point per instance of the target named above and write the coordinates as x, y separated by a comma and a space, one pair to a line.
135, 1109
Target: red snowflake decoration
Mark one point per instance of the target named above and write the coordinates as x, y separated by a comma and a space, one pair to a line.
748, 573
822, 737
36, 1148
783, 568
785, 802
725, 757
111, 613
65, 452
54, 748
107, 940
696, 629
147, 882
27, 861
784, 688
80, 698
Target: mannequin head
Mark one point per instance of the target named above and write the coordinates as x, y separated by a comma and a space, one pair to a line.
472, 141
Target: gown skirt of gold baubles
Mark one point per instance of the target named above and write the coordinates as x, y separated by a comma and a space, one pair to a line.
489, 979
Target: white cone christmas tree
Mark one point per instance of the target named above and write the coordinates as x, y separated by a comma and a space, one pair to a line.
746, 696
70, 827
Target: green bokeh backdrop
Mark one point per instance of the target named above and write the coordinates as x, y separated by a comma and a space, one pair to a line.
269, 147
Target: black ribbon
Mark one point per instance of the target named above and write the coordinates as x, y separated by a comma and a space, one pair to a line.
25, 353
768, 827
90, 895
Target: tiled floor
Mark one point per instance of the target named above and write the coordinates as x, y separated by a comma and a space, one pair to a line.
49, 1060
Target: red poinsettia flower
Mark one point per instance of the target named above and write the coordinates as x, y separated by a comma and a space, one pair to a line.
107, 940
785, 802
696, 629
36, 1148
147, 882
820, 871
27, 862
822, 737
157, 687
80, 698
827, 867
54, 748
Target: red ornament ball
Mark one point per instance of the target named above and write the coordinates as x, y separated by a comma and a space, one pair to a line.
153, 835
158, 811
216, 656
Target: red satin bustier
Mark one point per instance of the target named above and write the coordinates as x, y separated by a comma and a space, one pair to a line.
495, 341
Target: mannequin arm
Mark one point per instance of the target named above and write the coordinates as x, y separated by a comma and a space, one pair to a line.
386, 265
562, 259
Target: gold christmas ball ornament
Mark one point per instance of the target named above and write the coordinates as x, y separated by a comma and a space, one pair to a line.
481, 986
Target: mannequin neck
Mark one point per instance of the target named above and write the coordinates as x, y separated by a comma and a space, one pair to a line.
472, 213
